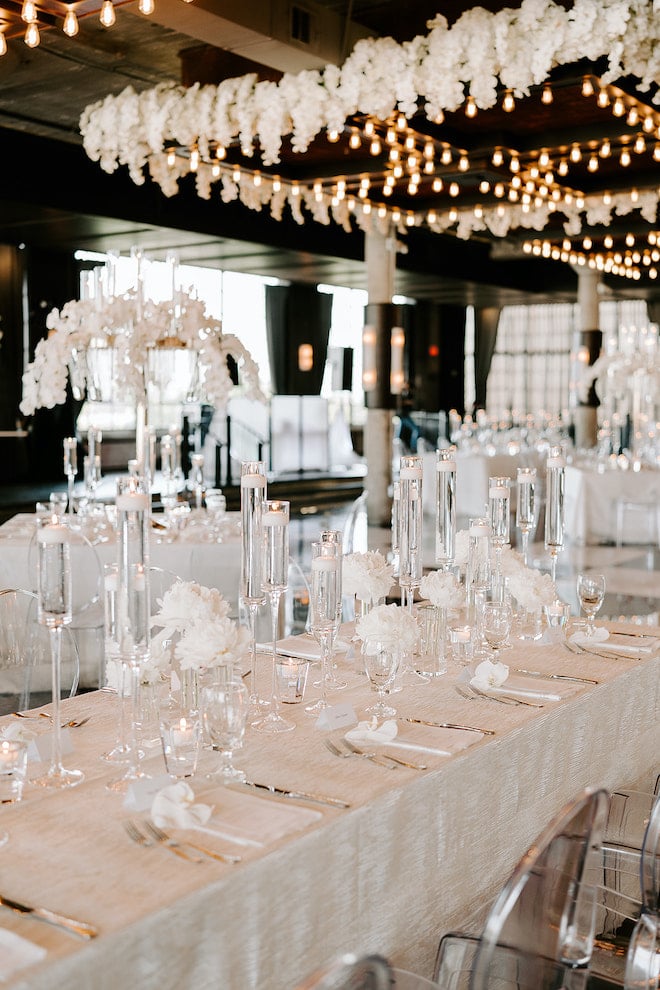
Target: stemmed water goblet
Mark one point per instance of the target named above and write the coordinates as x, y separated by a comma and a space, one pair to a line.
381, 662
275, 525
591, 594
323, 609
496, 625
54, 604
225, 708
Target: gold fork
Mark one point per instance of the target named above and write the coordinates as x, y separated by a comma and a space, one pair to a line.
141, 839
167, 840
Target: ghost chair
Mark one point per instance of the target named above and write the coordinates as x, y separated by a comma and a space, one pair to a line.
539, 930
25, 655
351, 972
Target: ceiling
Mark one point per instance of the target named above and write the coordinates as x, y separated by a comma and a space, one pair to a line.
53, 197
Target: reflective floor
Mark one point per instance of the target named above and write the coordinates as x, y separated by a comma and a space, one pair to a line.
632, 573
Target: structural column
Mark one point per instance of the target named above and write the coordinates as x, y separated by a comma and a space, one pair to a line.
380, 257
588, 343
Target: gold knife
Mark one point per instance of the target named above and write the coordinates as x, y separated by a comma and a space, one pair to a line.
445, 725
558, 677
80, 928
301, 795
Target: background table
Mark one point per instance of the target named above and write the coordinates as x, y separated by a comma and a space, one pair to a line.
410, 859
590, 503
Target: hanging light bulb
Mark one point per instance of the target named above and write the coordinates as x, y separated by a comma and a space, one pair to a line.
497, 158
355, 140
3, 43
618, 107
605, 149
146, 6
70, 26
624, 158
546, 94
107, 15
633, 116
508, 103
587, 86
639, 146
29, 11
32, 36
470, 107
603, 99
593, 163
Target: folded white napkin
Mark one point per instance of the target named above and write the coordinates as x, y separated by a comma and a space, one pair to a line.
173, 807
16, 953
580, 638
386, 735
631, 648
20, 730
305, 646
489, 675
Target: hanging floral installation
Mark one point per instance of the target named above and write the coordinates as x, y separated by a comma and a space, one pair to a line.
171, 130
131, 331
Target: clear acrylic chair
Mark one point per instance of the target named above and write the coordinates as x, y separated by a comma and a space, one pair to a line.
351, 972
25, 655
546, 911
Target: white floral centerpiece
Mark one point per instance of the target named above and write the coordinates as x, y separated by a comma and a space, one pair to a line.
389, 625
442, 589
135, 328
367, 575
532, 589
197, 618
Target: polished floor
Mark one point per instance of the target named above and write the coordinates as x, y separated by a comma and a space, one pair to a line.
632, 573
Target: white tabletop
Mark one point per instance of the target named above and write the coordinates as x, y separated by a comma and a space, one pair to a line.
411, 857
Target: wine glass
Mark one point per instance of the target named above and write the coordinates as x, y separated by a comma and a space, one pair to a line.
275, 524
70, 445
591, 594
54, 595
496, 626
381, 662
225, 708
323, 609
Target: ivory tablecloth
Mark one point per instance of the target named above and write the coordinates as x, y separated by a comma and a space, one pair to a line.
412, 857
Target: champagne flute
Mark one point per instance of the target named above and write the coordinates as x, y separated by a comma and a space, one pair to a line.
591, 594
323, 609
496, 626
554, 508
335, 536
275, 525
54, 611
525, 507
225, 708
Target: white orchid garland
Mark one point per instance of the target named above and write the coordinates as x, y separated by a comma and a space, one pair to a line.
133, 327
480, 52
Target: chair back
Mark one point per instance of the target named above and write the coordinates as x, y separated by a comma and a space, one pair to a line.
25, 655
350, 972
547, 908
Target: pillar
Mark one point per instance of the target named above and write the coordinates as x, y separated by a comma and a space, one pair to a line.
588, 343
380, 257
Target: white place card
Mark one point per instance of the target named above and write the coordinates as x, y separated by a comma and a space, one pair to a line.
41, 747
336, 717
141, 793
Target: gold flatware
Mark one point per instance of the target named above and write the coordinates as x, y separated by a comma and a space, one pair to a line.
380, 761
445, 725
295, 795
167, 840
387, 756
557, 677
80, 928
141, 839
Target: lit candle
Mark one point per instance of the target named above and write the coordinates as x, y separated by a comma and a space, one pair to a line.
132, 502
253, 481
479, 529
498, 491
53, 533
556, 462
324, 563
445, 466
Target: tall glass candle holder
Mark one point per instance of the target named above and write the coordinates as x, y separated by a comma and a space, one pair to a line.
133, 504
395, 525
554, 507
337, 537
253, 496
445, 508
478, 563
499, 515
275, 527
54, 597
323, 610
410, 527
70, 445
94, 440
525, 506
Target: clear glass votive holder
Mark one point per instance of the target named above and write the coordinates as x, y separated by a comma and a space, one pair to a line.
13, 769
291, 675
556, 617
181, 736
432, 658
462, 646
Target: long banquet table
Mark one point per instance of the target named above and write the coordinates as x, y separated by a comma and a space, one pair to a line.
412, 857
